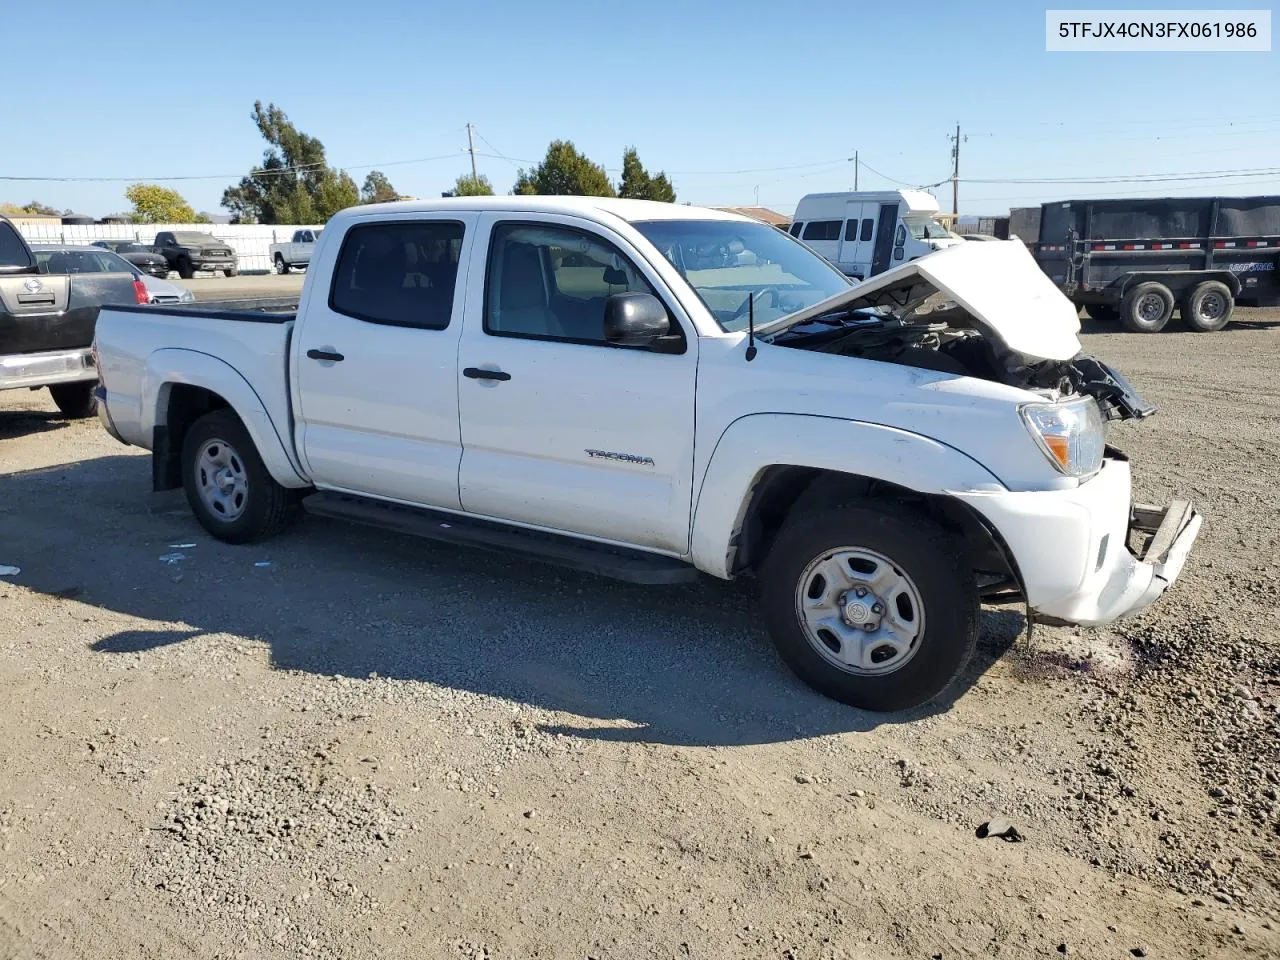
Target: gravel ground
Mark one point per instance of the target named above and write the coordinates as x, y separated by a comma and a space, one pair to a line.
344, 743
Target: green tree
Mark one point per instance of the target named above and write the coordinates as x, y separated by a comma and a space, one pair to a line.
637, 184
294, 184
377, 188
469, 186
565, 172
34, 208
153, 203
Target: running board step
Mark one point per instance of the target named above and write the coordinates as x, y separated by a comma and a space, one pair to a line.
619, 563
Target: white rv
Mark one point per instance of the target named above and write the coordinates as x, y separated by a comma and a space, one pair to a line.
867, 233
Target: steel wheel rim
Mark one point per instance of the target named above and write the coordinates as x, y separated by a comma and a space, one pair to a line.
1150, 307
860, 611
221, 480
1212, 306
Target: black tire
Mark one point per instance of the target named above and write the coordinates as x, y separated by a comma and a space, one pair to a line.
1102, 312
913, 545
1207, 307
265, 507
185, 270
234, 271
281, 267
75, 400
1146, 308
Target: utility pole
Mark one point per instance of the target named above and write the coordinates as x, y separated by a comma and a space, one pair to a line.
955, 171
471, 146
855, 170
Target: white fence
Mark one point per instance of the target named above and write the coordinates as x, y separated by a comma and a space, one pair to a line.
251, 242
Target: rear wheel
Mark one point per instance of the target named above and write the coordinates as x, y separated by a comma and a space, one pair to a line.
281, 266
1102, 312
870, 604
185, 270
1146, 308
228, 487
75, 400
1208, 306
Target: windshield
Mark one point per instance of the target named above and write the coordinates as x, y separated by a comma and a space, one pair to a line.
927, 229
725, 261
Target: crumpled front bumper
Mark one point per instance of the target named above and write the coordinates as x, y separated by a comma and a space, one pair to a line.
1088, 555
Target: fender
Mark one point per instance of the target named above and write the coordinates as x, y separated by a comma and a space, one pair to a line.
173, 365
755, 442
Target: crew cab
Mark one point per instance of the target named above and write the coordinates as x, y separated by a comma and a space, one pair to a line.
188, 251
295, 253
48, 307
646, 391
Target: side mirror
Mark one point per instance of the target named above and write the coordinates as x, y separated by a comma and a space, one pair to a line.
635, 319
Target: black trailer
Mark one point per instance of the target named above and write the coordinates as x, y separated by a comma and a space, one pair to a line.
1135, 260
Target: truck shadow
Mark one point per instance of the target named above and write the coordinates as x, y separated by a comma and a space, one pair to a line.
21, 423
680, 666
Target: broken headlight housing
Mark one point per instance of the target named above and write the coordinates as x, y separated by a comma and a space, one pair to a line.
1071, 434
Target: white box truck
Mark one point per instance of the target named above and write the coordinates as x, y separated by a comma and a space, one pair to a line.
865, 233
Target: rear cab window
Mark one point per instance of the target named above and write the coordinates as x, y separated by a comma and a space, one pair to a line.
400, 273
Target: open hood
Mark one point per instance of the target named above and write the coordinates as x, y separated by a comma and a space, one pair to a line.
1006, 295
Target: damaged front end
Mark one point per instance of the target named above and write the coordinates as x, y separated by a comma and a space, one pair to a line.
977, 311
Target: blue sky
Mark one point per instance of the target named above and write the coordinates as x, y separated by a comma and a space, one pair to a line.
702, 89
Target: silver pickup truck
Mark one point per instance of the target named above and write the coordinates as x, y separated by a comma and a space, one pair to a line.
47, 317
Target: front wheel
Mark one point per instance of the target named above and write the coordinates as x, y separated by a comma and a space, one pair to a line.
185, 270
870, 604
75, 400
228, 487
231, 272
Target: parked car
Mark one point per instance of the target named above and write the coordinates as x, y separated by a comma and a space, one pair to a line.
47, 315
138, 254
295, 253
158, 291
646, 391
187, 251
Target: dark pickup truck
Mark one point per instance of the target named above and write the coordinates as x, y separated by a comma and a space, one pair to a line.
187, 252
47, 321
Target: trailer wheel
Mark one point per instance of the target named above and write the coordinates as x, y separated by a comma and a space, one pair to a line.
1146, 308
1208, 306
1102, 312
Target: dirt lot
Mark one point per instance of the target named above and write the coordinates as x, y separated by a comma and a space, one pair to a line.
350, 744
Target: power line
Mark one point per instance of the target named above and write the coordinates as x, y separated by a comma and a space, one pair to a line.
1136, 178
260, 172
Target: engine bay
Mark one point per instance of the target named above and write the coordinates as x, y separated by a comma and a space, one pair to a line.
936, 333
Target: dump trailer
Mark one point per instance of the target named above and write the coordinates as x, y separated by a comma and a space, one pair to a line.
1136, 260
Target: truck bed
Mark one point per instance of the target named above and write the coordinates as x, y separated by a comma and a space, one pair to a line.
247, 339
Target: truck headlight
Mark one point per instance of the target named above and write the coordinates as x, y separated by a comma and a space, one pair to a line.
1071, 434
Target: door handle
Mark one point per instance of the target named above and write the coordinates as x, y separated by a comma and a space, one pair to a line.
475, 373
325, 355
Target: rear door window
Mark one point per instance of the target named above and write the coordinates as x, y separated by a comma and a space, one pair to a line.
400, 273
868, 227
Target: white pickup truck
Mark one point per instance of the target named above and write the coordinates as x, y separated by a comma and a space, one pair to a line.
647, 390
295, 253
